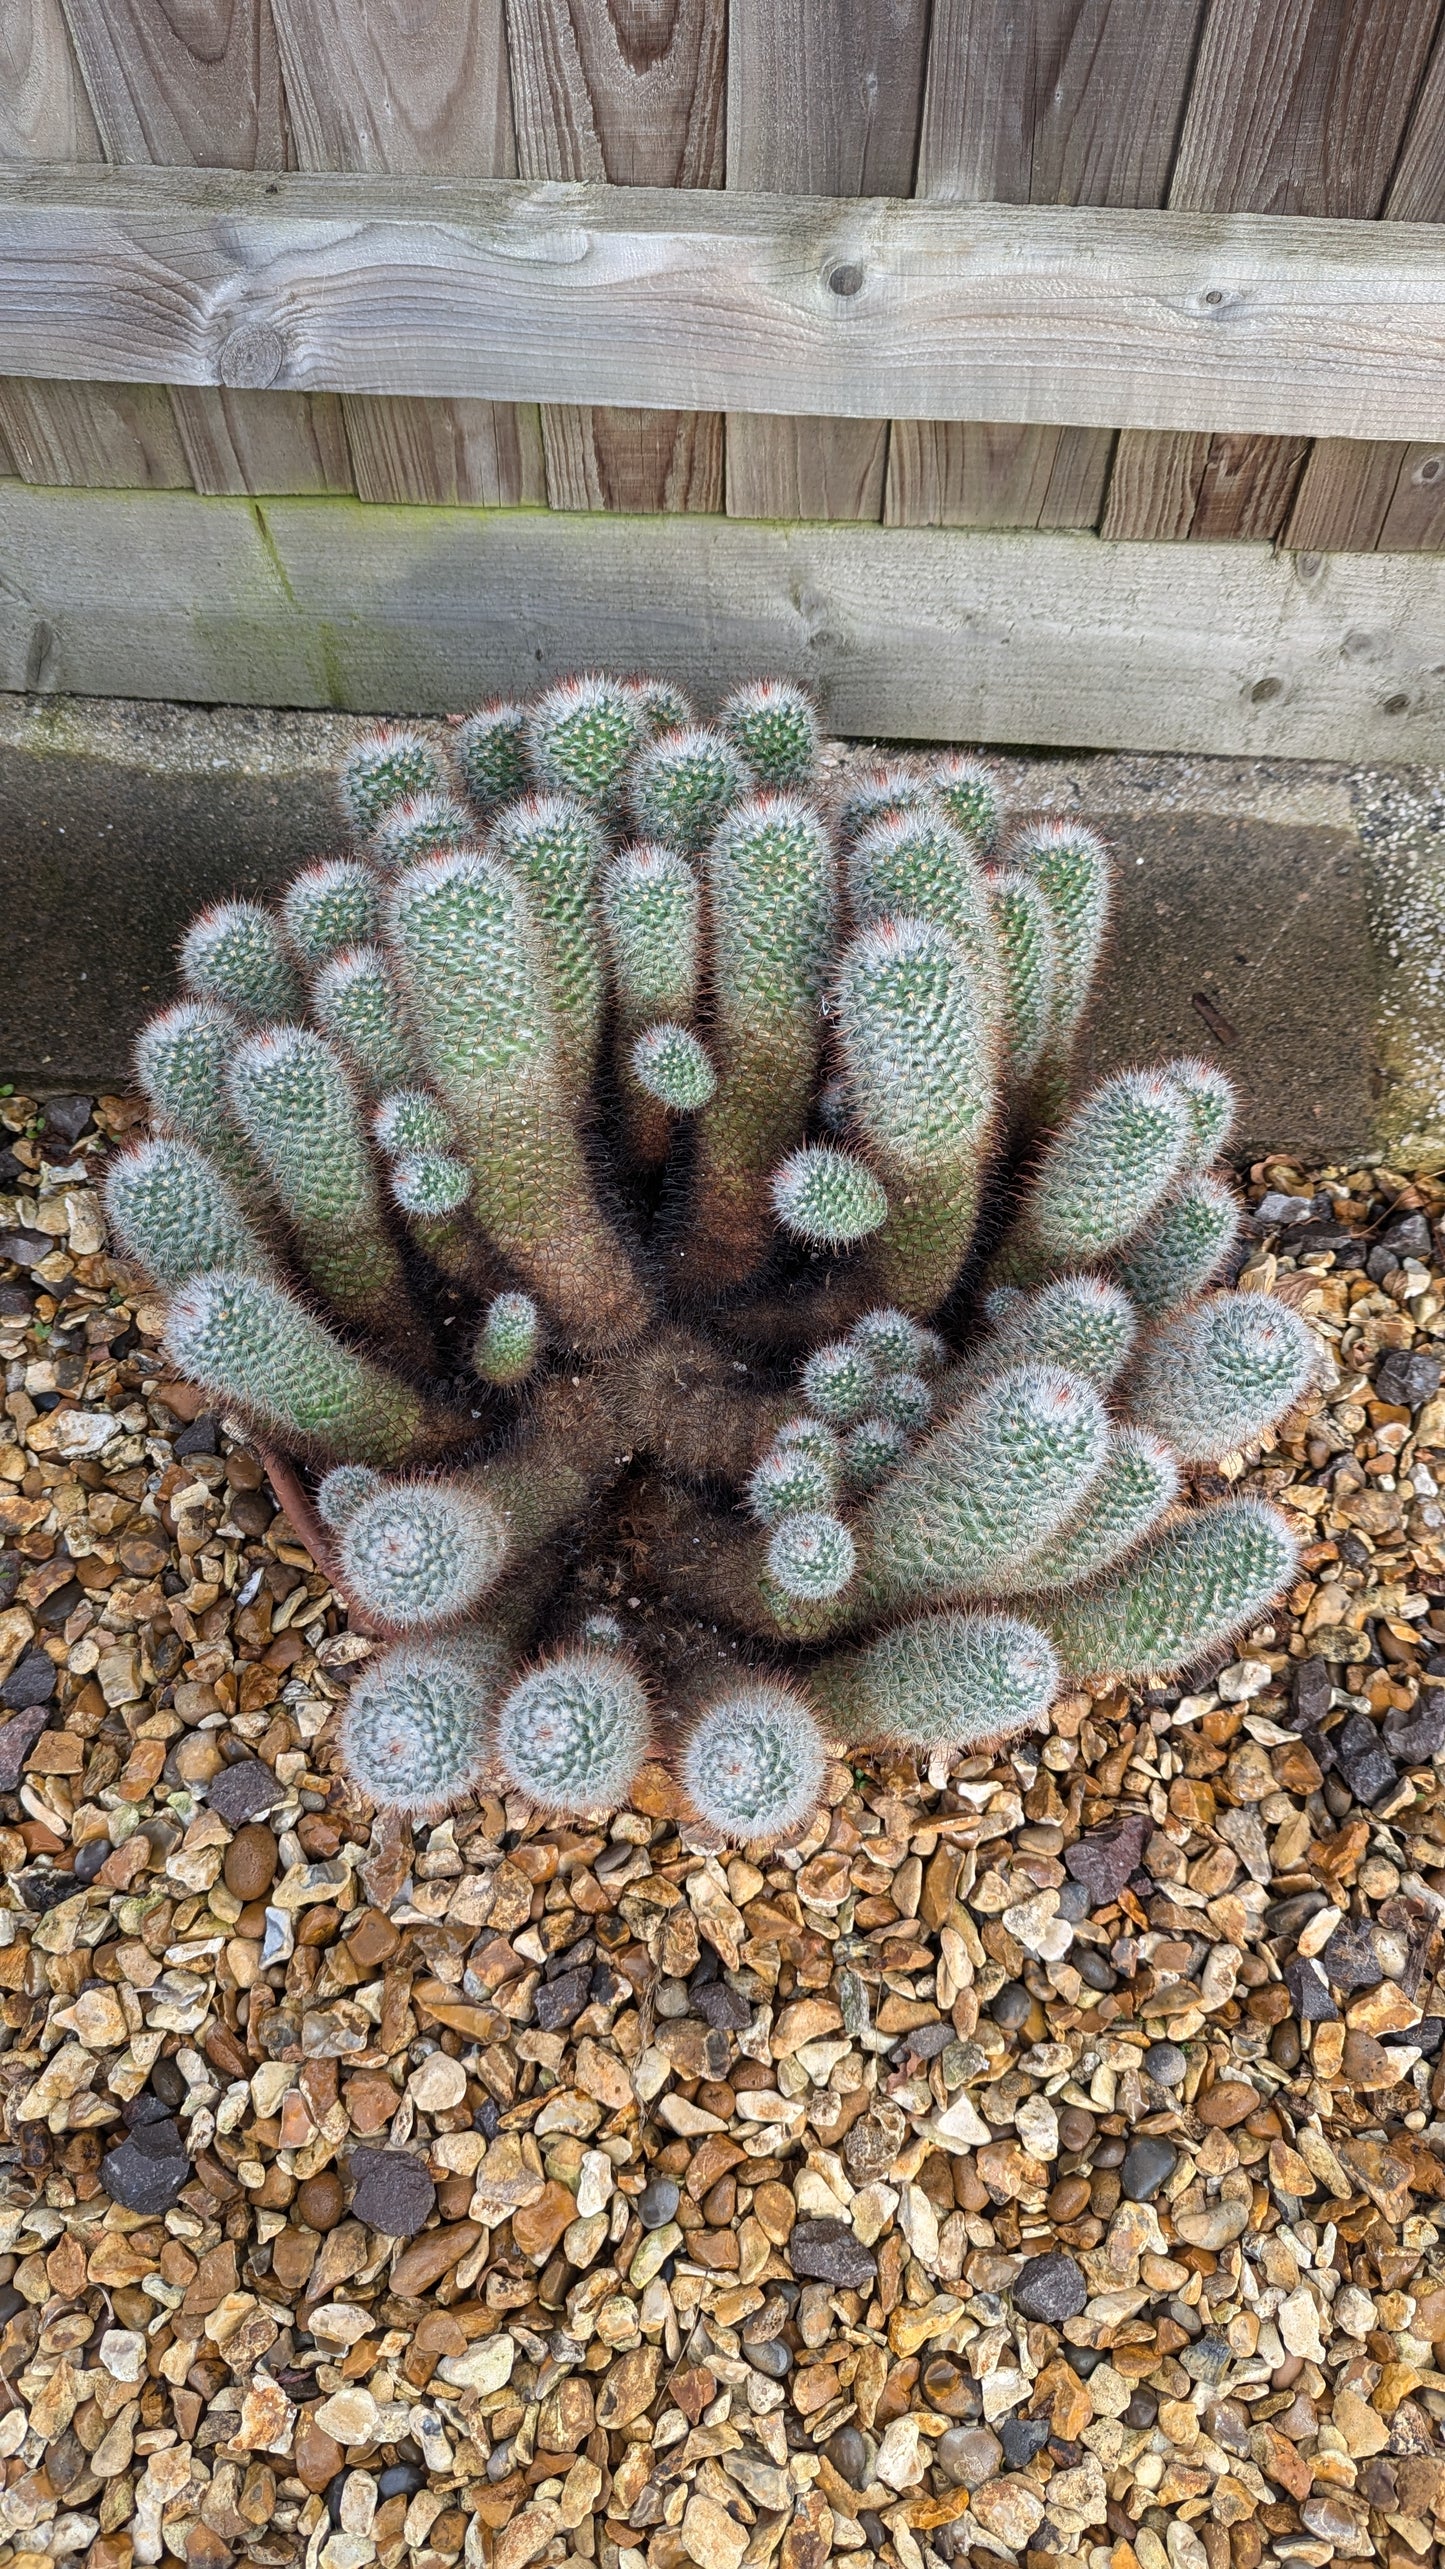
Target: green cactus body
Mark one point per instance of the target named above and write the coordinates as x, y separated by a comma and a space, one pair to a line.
573, 1733
1081, 1322
490, 752
1072, 870
1139, 1481
1221, 1372
840, 1382
181, 1058
330, 906
509, 1339
580, 737
811, 1557
1213, 1105
553, 842
915, 865
234, 953
432, 1189
662, 706
828, 1198
876, 794
752, 1764
672, 1068
873, 1449
418, 1554
1024, 935
969, 793
247, 1340
357, 1002
172, 1210
342, 1491
1102, 1178
1192, 1586
790, 1480
943, 1681
771, 893
893, 1342
917, 1045
988, 1488
424, 825
684, 784
384, 769
299, 1112
774, 728
1184, 1246
462, 932
906, 1400
411, 1119
651, 920
416, 1730
810, 1436
431, 1183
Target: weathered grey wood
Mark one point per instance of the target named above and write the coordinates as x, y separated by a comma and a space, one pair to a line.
401, 88
904, 631
175, 85
630, 91
692, 299
824, 98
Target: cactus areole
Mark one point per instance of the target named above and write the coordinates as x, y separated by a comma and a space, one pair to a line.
640, 1195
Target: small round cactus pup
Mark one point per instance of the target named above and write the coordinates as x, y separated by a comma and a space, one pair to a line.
416, 1554
789, 1481
773, 725
878, 793
414, 1735
509, 1340
840, 1382
895, 1343
670, 1063
662, 706
342, 1491
602, 1631
812, 1556
387, 768
906, 1400
573, 1733
752, 1765
809, 1436
429, 1183
871, 1450
828, 1198
490, 753
411, 1119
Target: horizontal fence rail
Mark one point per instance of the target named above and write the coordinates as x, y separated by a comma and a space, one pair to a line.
695, 299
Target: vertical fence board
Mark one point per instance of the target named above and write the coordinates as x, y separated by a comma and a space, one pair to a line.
824, 99
633, 91
108, 434
1297, 107
412, 86
1059, 102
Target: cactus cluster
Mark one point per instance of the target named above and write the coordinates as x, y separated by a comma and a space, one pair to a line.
641, 1193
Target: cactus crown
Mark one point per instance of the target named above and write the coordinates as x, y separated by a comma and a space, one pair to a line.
718, 1202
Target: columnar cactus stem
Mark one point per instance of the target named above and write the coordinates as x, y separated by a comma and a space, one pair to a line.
1139, 1482
555, 845
1210, 1097
918, 1049
944, 1680
683, 785
1185, 1245
357, 1002
969, 794
1219, 1374
771, 888
234, 953
915, 865
181, 1060
330, 906
774, 727
1103, 1177
1028, 964
1071, 869
384, 769
250, 1342
1198, 1583
424, 825
651, 914
988, 1488
879, 793
581, 736
172, 1210
490, 750
299, 1112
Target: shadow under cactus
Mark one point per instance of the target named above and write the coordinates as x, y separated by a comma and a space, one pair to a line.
643, 1214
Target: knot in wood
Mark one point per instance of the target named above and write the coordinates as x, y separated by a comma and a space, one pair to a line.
252, 357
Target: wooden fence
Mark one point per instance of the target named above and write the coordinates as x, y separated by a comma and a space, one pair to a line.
1166, 272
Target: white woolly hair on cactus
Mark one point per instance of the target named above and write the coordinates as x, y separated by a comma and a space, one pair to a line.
415, 1733
419, 1554
573, 1732
752, 1764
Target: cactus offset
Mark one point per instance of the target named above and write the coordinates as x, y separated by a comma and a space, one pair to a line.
737, 1241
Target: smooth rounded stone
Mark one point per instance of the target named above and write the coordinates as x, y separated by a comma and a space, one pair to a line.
827, 2251
168, 2081
1166, 2063
1076, 2128
90, 1858
1050, 2288
1148, 2163
1011, 2005
1284, 2044
400, 2480
1110, 2152
1022, 2438
320, 2200
1142, 2410
1085, 2359
437, 2083
145, 2178
394, 2192
657, 2204
245, 1791
1074, 1902
1093, 1970
775, 2359
251, 1860
968, 2456
847, 2450
1213, 2226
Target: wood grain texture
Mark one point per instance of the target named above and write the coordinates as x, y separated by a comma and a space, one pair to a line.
631, 91
1298, 107
824, 99
175, 81
1417, 188
266, 442
403, 89
1415, 519
1228, 648
690, 299
44, 112
1074, 102
1344, 495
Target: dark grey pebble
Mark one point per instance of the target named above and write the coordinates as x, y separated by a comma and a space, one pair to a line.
1207, 2360
1148, 2164
168, 2081
245, 1791
771, 2357
1364, 1761
1309, 1990
1407, 1377
400, 2480
1050, 2288
90, 1858
1010, 2005
394, 2192
31, 1681
560, 2002
1022, 2438
1104, 1863
828, 2252
144, 2183
657, 2204
721, 2006
847, 2450
1166, 2063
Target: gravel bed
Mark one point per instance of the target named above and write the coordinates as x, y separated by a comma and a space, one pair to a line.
1038, 2161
